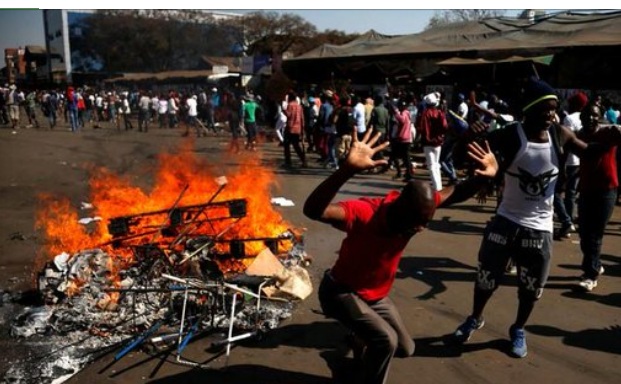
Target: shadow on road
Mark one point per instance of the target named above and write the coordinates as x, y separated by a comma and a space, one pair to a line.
444, 346
433, 272
245, 373
604, 340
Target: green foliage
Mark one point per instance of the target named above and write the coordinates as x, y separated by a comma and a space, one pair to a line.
155, 40
129, 41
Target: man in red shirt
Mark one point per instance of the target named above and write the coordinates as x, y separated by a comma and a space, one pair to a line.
355, 290
293, 130
598, 193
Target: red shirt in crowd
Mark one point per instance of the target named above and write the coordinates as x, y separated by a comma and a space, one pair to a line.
599, 173
295, 117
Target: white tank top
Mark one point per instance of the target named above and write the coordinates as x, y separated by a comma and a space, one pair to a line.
530, 180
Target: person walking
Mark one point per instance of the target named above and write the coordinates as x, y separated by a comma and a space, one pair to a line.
379, 122
293, 130
250, 121
355, 291
144, 110
433, 126
567, 188
597, 196
72, 109
12, 103
403, 140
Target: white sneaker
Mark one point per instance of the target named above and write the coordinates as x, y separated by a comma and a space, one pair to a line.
601, 270
588, 284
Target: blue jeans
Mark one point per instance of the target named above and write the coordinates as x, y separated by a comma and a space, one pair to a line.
332, 149
564, 206
446, 157
594, 211
73, 119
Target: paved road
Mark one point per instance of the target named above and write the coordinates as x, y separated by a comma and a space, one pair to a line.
572, 337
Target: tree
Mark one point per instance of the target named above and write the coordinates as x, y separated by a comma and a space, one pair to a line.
458, 15
150, 40
270, 33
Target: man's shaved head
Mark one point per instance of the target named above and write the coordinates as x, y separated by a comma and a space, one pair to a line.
413, 209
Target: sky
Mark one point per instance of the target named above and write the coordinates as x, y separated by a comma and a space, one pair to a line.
25, 27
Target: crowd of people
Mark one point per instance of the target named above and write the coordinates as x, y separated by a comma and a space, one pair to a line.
85, 107
546, 159
528, 158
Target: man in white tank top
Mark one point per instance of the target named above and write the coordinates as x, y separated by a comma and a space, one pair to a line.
530, 155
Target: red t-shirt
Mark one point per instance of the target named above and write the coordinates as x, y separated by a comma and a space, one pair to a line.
369, 255
598, 173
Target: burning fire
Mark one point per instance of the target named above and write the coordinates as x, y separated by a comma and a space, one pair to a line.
181, 179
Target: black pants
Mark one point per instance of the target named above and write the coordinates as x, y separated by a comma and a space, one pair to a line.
377, 323
294, 140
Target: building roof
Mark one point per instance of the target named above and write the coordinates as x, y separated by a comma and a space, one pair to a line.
143, 76
564, 29
233, 63
36, 50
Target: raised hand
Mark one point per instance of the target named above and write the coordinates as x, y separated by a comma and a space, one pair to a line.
361, 153
488, 166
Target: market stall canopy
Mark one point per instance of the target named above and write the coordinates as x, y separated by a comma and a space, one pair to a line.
565, 29
546, 60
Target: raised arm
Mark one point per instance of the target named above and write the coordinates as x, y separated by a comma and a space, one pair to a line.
488, 167
318, 205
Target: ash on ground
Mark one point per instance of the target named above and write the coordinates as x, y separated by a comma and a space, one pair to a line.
89, 308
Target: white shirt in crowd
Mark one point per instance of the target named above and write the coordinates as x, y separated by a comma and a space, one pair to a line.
191, 103
163, 106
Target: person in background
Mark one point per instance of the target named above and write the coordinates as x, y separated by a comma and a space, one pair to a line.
81, 108
192, 120
432, 125
567, 187
144, 110
294, 130
12, 103
597, 196
71, 106
125, 111
310, 117
403, 140
458, 125
380, 121
173, 110
368, 108
359, 115
51, 108
355, 291
31, 107
162, 110
250, 122
4, 117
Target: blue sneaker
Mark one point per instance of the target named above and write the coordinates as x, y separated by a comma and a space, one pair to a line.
518, 342
464, 331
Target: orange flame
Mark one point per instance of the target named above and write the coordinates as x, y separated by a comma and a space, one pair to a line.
115, 196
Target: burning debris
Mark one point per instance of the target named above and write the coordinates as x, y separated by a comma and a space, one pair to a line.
165, 275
